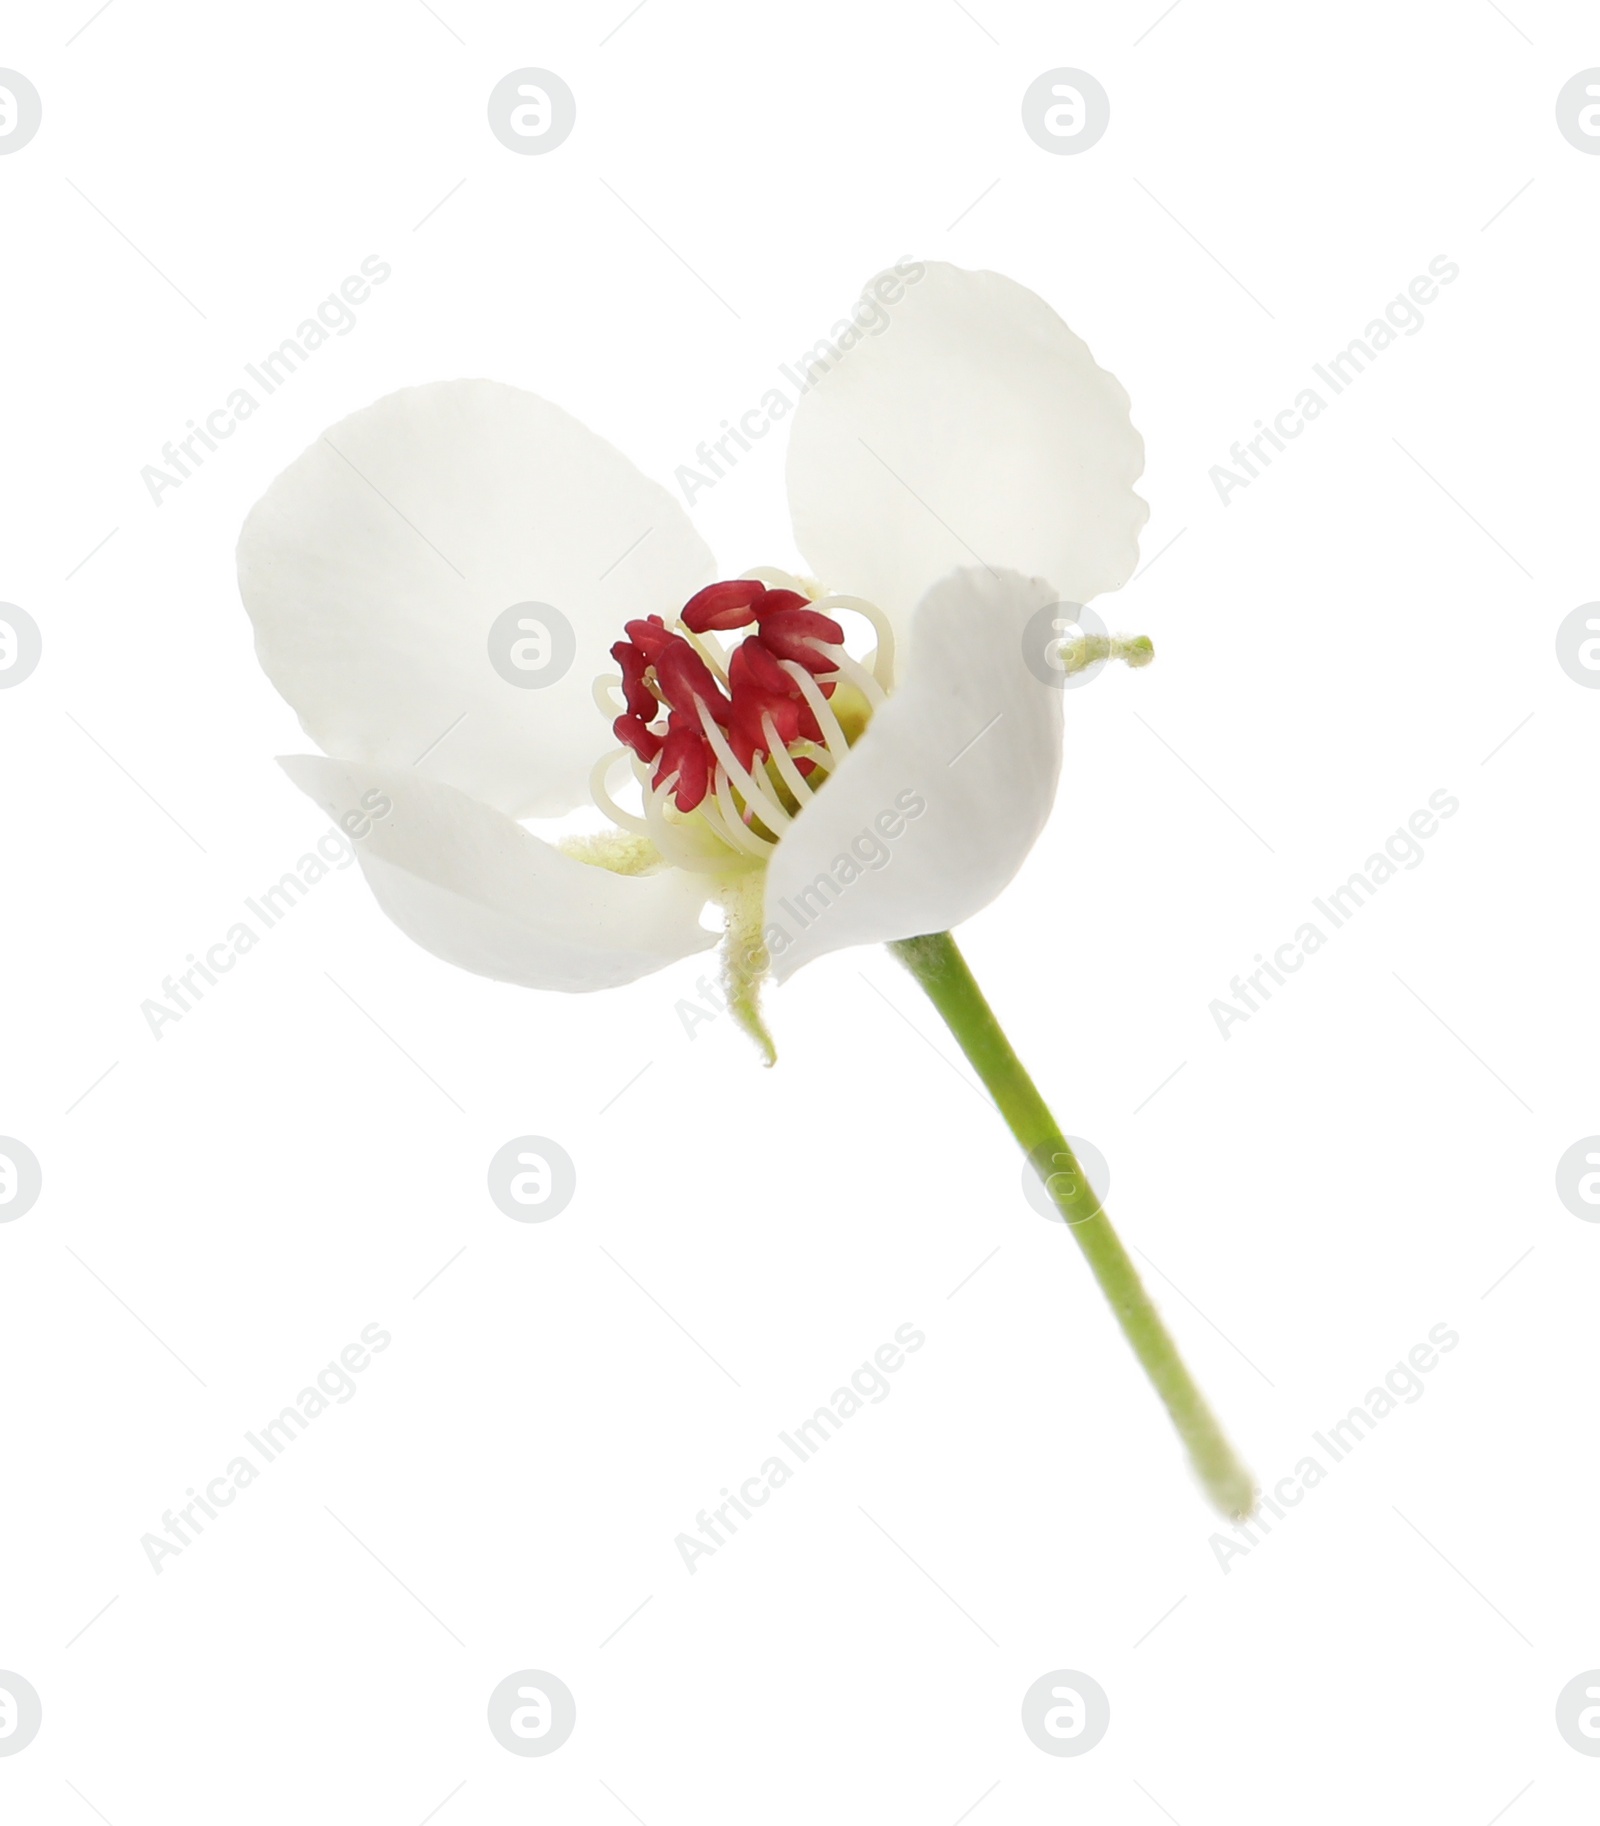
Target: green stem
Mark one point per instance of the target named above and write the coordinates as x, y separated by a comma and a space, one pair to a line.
942, 971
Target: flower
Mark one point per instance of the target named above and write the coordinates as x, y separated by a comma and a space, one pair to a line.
962, 465
959, 471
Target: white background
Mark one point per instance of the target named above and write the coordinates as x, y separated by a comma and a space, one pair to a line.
1367, 1157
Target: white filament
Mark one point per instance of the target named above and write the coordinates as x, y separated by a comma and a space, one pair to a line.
857, 674
783, 761
832, 734
733, 828
883, 656
610, 707
600, 793
757, 795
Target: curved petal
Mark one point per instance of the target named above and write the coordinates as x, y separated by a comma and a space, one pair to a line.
475, 888
936, 806
973, 428
375, 566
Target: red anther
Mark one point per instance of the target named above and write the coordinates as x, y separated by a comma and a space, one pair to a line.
778, 600
632, 733
650, 636
753, 668
746, 737
790, 635
641, 700
723, 605
762, 709
686, 679
748, 731
762, 688
685, 754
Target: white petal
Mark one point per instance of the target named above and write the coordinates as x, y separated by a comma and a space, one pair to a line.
972, 737
375, 565
974, 428
475, 888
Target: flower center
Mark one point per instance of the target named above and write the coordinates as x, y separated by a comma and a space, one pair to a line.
736, 715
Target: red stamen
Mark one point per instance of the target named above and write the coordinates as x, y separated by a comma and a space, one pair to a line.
753, 668
762, 707
650, 636
686, 754
776, 601
632, 732
641, 700
790, 636
723, 605
685, 680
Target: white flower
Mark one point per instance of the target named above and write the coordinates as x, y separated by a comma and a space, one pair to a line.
953, 472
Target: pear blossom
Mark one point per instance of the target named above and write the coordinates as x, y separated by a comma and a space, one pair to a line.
862, 754
948, 477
